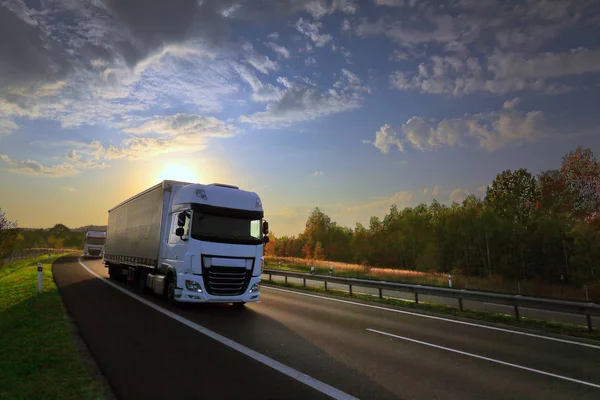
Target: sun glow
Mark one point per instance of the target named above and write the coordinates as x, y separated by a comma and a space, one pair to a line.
177, 172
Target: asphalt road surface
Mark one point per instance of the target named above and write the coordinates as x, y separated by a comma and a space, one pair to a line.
297, 345
474, 305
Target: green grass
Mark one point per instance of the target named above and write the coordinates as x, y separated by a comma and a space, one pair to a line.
39, 358
498, 318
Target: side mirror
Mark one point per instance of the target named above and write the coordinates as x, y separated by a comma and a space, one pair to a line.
179, 231
181, 219
265, 239
265, 228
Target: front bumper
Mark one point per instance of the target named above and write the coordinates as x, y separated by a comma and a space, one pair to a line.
182, 294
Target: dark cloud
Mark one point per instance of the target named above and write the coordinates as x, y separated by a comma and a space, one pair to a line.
26, 53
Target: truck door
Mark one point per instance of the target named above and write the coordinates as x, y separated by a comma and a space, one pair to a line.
176, 247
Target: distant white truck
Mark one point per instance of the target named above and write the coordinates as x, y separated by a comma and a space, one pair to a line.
95, 241
189, 242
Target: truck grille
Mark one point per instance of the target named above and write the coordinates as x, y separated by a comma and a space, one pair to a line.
226, 281
94, 252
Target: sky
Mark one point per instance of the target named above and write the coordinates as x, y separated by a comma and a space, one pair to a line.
351, 106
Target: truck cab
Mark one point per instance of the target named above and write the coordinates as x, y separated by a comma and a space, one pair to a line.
94, 243
215, 244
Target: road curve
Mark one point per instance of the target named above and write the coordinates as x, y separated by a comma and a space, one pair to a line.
362, 351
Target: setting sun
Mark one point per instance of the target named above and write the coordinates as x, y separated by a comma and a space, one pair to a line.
177, 172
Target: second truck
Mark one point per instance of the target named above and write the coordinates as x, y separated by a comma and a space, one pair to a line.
189, 242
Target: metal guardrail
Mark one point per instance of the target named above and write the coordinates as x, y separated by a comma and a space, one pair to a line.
516, 301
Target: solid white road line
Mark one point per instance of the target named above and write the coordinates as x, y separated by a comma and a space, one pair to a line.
537, 371
433, 317
276, 365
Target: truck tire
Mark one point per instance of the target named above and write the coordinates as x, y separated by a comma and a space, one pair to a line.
170, 288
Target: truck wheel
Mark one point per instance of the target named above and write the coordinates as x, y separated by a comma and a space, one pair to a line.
170, 288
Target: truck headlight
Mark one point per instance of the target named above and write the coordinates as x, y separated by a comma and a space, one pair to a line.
193, 286
255, 288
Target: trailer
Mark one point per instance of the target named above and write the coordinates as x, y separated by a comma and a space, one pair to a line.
189, 242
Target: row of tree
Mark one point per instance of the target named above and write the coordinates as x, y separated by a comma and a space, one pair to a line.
544, 226
13, 239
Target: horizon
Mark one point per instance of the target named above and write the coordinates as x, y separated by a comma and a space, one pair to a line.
348, 106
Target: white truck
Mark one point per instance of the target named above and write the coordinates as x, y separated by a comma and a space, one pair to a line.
189, 242
95, 241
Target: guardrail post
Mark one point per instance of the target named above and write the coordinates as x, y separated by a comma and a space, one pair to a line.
325, 285
588, 317
460, 304
517, 316
40, 276
304, 282
350, 289
286, 279
416, 298
270, 277
380, 293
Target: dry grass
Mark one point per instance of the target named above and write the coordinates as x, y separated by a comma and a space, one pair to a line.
535, 288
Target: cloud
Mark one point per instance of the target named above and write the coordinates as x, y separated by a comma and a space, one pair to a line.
191, 125
385, 138
68, 189
491, 131
312, 31
259, 61
280, 50
261, 92
76, 159
7, 126
502, 73
30, 167
318, 173
303, 103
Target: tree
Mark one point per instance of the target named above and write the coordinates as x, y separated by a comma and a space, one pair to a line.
513, 195
580, 172
319, 252
8, 236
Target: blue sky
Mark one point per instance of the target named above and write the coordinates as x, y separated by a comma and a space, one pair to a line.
346, 105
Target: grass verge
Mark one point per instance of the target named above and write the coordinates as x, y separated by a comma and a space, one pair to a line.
39, 357
496, 318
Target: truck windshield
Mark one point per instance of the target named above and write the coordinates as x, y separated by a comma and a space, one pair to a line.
225, 229
91, 240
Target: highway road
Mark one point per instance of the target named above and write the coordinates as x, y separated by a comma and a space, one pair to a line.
300, 345
474, 305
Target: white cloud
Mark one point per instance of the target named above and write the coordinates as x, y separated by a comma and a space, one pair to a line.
261, 92
346, 27
273, 35
318, 173
280, 50
546, 65
310, 61
385, 138
190, 125
491, 131
76, 159
7, 126
259, 61
312, 31
321, 8
30, 167
502, 73
458, 195
301, 103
